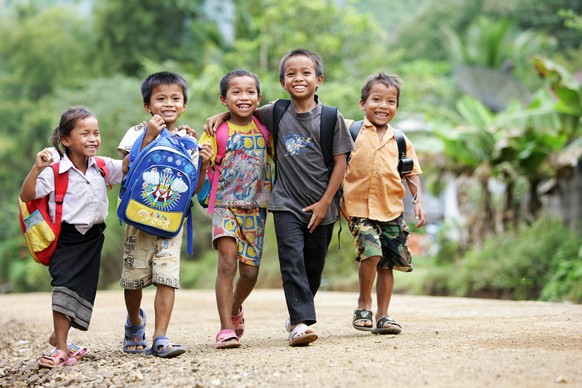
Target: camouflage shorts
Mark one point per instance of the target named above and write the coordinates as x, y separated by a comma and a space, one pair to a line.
385, 239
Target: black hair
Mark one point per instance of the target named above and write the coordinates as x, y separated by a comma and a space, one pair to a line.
162, 78
386, 79
234, 74
309, 54
69, 120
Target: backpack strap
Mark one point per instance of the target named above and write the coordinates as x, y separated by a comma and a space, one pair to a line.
263, 129
405, 164
102, 166
221, 140
61, 185
327, 126
355, 129
278, 109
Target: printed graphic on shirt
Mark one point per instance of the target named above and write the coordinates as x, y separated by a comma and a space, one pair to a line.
296, 144
245, 180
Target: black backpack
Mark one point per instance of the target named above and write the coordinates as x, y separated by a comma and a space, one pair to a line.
405, 164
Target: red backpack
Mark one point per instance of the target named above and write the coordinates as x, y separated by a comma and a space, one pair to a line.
207, 194
40, 232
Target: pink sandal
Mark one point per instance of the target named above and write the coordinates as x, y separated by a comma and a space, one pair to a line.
238, 321
77, 351
226, 339
56, 359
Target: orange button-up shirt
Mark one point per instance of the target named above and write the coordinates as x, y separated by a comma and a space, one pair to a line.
372, 186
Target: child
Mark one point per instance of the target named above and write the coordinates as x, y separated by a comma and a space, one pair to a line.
302, 199
74, 266
372, 203
241, 206
150, 259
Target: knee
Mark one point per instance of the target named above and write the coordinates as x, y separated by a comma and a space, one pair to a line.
249, 276
227, 265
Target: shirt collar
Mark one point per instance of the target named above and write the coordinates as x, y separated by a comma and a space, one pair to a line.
370, 126
66, 164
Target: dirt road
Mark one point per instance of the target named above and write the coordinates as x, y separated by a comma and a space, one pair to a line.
445, 342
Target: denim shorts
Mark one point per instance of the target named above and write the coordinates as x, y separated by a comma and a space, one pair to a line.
385, 239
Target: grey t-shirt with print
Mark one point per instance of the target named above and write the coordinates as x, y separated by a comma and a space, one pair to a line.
302, 175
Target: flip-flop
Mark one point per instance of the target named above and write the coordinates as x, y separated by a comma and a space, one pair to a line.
387, 325
238, 321
363, 316
56, 358
135, 336
76, 351
164, 348
227, 339
301, 335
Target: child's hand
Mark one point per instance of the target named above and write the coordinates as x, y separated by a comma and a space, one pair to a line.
189, 131
44, 158
419, 214
155, 125
318, 211
212, 123
206, 153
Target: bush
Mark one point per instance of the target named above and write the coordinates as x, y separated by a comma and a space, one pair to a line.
541, 262
565, 282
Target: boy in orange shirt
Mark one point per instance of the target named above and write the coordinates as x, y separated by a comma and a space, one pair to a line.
372, 203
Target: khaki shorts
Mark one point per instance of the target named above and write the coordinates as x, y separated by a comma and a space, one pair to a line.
149, 259
246, 226
384, 239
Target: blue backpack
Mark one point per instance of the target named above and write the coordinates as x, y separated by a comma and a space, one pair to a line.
156, 194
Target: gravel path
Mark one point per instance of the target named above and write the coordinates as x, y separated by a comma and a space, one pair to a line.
445, 342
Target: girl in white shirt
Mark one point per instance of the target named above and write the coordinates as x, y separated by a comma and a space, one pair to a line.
74, 266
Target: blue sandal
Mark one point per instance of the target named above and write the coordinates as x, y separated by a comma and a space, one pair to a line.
135, 336
164, 348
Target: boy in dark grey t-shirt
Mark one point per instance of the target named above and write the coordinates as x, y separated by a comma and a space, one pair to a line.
302, 199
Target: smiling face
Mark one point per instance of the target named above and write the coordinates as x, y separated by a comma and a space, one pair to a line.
300, 77
84, 139
381, 105
168, 102
242, 98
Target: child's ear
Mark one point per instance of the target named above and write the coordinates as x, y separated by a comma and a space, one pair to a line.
362, 104
223, 100
147, 107
282, 82
319, 80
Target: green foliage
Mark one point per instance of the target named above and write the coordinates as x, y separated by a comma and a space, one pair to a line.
42, 51
131, 31
565, 282
61, 53
551, 16
26, 275
518, 266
